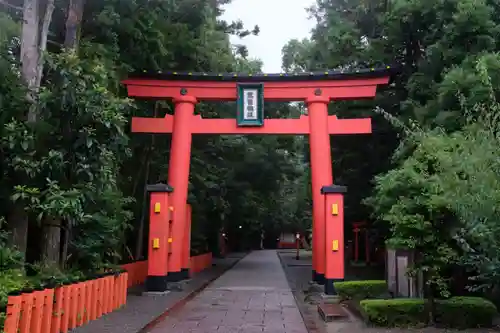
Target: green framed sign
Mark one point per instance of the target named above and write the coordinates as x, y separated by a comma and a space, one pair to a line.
250, 104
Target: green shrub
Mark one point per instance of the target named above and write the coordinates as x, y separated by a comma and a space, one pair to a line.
398, 312
2, 319
456, 312
465, 312
359, 290
11, 280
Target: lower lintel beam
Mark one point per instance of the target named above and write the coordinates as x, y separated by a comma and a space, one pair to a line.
271, 126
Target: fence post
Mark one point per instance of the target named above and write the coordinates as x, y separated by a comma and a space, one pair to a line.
99, 297
26, 309
55, 325
111, 289
11, 324
124, 288
73, 305
88, 301
36, 312
48, 304
66, 305
81, 304
93, 297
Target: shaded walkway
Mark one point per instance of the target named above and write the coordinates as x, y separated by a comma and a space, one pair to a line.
141, 310
253, 296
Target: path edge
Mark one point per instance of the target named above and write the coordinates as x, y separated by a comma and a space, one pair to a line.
180, 303
304, 312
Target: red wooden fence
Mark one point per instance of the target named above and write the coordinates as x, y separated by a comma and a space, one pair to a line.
64, 308
200, 263
138, 271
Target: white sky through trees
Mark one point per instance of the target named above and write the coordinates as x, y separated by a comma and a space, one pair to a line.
278, 20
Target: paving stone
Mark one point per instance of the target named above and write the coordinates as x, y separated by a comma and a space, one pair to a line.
253, 296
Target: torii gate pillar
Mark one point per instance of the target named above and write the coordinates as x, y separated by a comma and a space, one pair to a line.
321, 173
178, 178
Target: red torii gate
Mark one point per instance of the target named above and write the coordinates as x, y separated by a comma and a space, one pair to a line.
187, 89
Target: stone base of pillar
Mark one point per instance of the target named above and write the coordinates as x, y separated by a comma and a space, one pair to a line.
175, 276
185, 273
329, 287
156, 284
319, 278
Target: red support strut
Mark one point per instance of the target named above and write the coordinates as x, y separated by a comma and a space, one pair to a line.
334, 235
158, 238
186, 253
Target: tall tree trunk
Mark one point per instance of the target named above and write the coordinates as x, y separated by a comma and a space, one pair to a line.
42, 45
51, 238
73, 24
17, 224
51, 241
33, 44
67, 237
51, 230
18, 219
30, 37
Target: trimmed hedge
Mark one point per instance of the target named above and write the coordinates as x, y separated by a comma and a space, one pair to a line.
456, 312
359, 290
465, 312
397, 312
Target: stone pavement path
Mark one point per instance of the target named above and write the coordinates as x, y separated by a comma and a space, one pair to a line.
253, 296
141, 310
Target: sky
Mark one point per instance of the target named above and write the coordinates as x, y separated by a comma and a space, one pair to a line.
278, 20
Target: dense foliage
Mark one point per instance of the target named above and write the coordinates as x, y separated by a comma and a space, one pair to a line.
73, 179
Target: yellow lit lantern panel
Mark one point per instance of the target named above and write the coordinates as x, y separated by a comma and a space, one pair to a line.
170, 240
157, 207
335, 245
156, 243
335, 209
